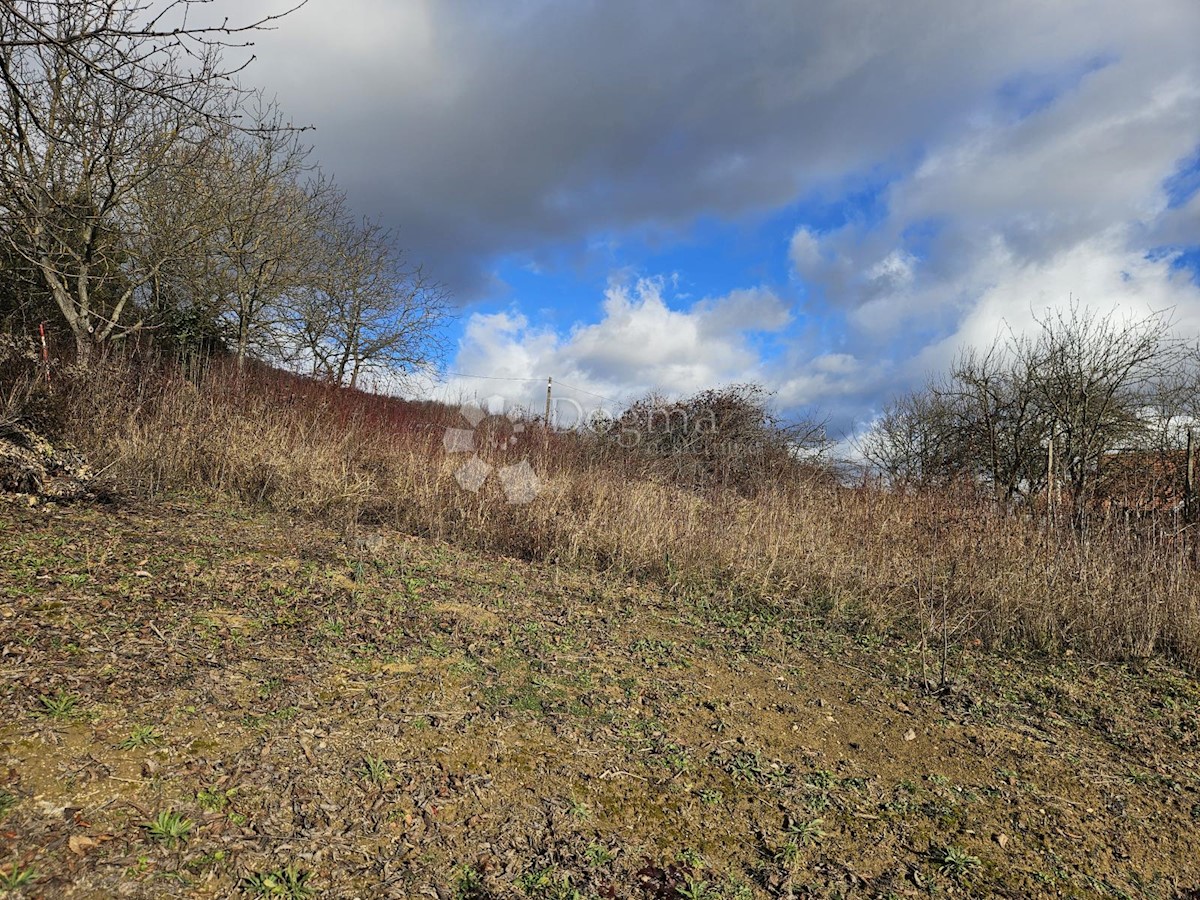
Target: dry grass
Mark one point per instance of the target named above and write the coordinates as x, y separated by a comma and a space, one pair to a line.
943, 567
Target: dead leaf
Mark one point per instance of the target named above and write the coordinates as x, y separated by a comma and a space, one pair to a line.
80, 844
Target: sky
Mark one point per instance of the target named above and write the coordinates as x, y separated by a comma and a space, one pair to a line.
828, 199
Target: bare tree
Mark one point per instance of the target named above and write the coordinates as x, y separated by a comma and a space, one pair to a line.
138, 37
917, 441
262, 207
97, 99
1094, 377
276, 268
999, 426
1092, 383
367, 310
1173, 401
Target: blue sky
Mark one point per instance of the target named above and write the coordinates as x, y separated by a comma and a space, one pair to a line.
826, 198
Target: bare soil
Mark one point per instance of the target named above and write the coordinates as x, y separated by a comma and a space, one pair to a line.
199, 701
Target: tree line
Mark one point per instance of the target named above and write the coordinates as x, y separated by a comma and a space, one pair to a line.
144, 192
1087, 384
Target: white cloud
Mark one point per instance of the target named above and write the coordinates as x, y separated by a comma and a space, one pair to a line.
640, 344
1101, 272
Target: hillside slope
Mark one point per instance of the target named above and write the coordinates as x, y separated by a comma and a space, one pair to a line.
200, 701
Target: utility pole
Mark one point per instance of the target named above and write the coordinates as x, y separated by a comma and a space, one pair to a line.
1189, 479
1050, 480
549, 388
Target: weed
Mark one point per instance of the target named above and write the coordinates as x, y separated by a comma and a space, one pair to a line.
374, 770
289, 882
136, 871
16, 877
598, 855
208, 859
334, 628
62, 705
213, 800
677, 759
745, 766
736, 889
956, 862
808, 834
579, 811
466, 666
819, 784
787, 857
1149, 778
169, 828
547, 884
696, 889
7, 801
468, 883
141, 736
820, 779
437, 646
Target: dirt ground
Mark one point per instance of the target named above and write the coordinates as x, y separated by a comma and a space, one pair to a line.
204, 702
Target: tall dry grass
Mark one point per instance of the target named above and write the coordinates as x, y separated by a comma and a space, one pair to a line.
862, 558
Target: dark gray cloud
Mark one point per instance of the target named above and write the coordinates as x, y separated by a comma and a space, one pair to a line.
480, 128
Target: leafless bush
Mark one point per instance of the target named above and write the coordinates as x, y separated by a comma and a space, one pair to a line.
1086, 384
726, 438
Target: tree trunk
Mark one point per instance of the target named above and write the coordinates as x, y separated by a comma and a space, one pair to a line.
243, 340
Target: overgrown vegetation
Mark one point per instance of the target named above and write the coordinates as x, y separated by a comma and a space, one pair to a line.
180, 214
946, 564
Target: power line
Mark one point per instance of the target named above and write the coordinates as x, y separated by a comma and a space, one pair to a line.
589, 393
493, 377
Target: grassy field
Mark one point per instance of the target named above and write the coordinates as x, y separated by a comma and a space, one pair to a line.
204, 700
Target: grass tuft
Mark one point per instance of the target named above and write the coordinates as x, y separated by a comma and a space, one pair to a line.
290, 882
62, 706
141, 736
169, 828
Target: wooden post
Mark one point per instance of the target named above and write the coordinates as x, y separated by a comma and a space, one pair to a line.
1050, 480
